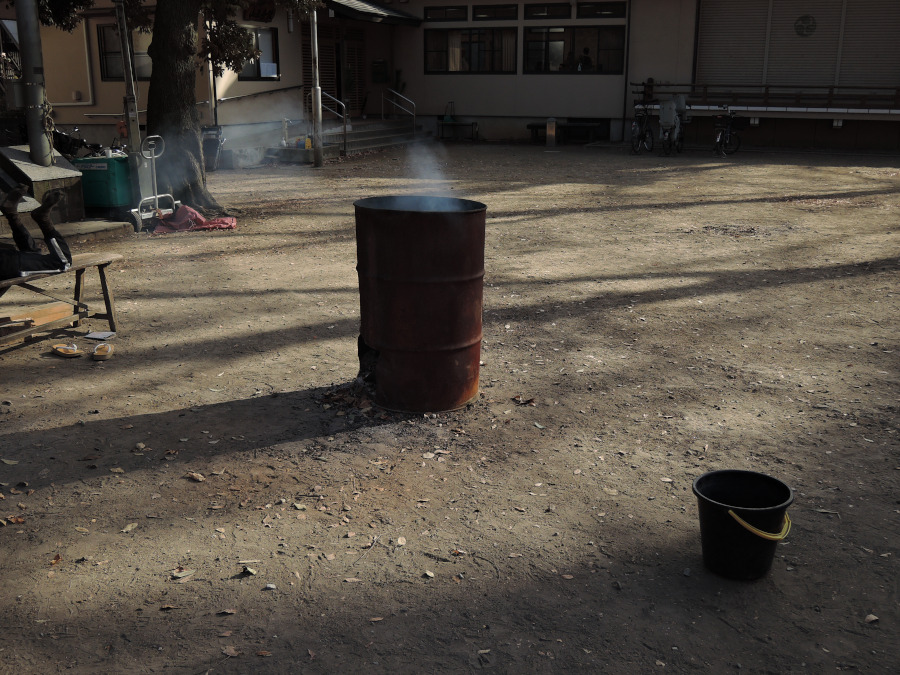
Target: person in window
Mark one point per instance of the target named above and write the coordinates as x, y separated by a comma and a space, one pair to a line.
27, 257
584, 62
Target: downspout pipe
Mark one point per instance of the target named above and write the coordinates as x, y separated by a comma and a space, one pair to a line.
215, 92
627, 93
33, 81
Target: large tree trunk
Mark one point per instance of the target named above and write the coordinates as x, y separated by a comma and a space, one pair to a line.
171, 103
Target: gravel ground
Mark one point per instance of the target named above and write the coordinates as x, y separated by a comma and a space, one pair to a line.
219, 497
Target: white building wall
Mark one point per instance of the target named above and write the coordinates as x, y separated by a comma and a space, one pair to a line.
593, 95
246, 100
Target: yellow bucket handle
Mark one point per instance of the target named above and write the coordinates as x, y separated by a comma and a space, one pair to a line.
765, 535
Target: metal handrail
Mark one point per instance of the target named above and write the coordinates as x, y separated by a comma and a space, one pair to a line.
10, 61
843, 96
122, 115
396, 105
340, 115
12, 58
12, 65
260, 93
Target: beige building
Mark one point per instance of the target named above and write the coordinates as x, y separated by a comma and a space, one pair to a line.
809, 72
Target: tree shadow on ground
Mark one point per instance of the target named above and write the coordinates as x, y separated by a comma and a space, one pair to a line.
89, 449
650, 604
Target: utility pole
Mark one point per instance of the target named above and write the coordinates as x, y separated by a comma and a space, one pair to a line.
318, 154
33, 81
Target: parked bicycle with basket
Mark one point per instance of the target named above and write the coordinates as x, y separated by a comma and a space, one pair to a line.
641, 130
671, 120
728, 141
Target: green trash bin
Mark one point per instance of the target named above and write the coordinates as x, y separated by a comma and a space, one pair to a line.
105, 181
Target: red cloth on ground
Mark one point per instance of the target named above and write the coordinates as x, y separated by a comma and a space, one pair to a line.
186, 219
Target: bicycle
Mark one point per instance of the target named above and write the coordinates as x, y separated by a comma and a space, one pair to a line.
728, 141
671, 131
641, 133
69, 145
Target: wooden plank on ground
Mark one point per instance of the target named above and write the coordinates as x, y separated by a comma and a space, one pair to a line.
34, 317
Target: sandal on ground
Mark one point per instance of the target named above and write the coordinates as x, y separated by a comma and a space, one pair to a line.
103, 351
67, 351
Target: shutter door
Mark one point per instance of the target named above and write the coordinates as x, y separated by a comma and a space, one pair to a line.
354, 88
354, 70
731, 42
327, 38
871, 50
328, 69
803, 43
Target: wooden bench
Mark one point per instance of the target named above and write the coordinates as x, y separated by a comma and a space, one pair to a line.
454, 126
62, 312
570, 131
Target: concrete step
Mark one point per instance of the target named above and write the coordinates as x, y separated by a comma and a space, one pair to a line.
301, 155
371, 127
374, 144
377, 134
304, 156
82, 230
360, 138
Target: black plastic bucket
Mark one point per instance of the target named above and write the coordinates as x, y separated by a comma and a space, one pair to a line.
743, 516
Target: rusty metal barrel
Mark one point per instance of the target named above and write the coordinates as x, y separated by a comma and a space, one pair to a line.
421, 269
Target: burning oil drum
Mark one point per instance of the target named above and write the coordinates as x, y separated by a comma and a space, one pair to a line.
421, 269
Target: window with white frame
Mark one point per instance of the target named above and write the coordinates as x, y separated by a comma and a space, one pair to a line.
265, 65
111, 66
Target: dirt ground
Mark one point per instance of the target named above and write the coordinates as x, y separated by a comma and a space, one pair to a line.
668, 316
